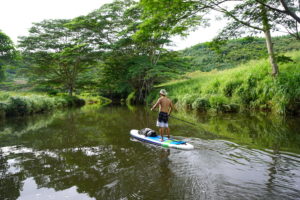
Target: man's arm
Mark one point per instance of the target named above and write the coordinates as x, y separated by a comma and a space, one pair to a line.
155, 105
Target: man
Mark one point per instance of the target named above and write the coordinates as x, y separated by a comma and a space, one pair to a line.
165, 109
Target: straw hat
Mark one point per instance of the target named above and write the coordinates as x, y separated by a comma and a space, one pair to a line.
163, 92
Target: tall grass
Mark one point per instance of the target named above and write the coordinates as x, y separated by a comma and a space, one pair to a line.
15, 104
247, 87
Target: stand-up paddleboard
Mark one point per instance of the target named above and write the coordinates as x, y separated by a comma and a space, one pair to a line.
169, 143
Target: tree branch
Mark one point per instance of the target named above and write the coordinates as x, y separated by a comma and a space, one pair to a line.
223, 10
286, 10
292, 14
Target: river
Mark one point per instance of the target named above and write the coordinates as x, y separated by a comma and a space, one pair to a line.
87, 153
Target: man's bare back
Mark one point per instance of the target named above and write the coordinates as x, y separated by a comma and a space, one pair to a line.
165, 104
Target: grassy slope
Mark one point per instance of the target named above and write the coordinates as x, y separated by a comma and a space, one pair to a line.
248, 86
235, 52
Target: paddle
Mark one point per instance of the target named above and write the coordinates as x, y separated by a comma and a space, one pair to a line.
182, 120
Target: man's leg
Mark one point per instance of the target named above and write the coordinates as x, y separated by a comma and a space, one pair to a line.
161, 133
168, 132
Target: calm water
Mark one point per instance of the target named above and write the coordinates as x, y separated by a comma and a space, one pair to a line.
88, 154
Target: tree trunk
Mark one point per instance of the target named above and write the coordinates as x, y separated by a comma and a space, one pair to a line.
71, 89
2, 74
275, 70
266, 28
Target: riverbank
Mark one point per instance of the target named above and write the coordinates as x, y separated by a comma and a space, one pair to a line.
20, 104
247, 87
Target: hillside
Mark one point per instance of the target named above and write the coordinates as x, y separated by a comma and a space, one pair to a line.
246, 87
235, 52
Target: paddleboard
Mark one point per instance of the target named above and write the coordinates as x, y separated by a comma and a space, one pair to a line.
168, 143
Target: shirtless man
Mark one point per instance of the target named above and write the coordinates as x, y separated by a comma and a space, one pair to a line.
165, 109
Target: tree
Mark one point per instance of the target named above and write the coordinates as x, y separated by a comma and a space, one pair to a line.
250, 14
7, 53
109, 29
127, 62
56, 54
255, 17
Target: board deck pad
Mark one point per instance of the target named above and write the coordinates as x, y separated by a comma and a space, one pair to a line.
169, 143
167, 140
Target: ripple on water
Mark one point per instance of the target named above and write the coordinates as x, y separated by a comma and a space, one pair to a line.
223, 170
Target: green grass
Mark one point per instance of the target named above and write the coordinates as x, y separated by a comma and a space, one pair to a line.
246, 87
21, 103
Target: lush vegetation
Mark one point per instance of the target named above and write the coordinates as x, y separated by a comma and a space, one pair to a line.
119, 51
205, 57
250, 17
248, 86
16, 104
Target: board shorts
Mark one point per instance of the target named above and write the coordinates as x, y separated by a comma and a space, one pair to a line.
162, 120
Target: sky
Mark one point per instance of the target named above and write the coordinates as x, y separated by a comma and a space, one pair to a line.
17, 16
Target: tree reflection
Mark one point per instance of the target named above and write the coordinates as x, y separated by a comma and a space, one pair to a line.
10, 182
84, 150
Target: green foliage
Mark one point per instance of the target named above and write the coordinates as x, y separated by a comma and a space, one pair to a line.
201, 104
2, 74
15, 104
8, 54
230, 87
131, 98
283, 59
126, 64
166, 18
56, 54
234, 52
248, 86
7, 49
187, 101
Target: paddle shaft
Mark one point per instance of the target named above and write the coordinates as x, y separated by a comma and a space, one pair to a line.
182, 120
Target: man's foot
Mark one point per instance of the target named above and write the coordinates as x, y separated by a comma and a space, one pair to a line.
161, 140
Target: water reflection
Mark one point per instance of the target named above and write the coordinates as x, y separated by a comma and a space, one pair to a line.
87, 154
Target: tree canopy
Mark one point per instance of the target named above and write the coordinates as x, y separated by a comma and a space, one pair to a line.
7, 53
56, 54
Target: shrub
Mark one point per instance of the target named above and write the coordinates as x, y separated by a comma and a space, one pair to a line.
218, 102
201, 104
230, 87
214, 87
4, 96
29, 104
17, 106
188, 100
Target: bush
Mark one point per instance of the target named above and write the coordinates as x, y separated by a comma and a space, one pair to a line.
201, 104
29, 104
218, 102
4, 96
73, 101
17, 106
188, 100
230, 87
